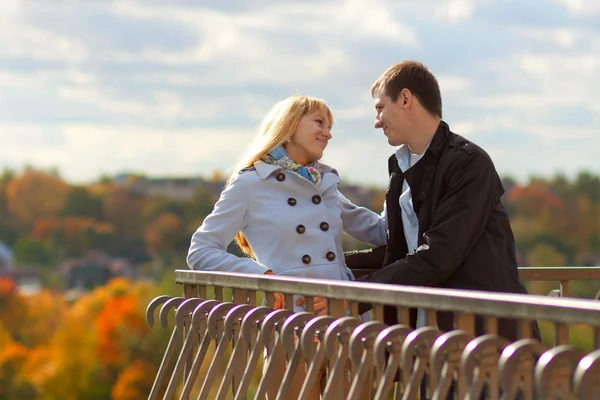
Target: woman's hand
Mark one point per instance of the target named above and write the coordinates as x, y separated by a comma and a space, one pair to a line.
319, 304
278, 297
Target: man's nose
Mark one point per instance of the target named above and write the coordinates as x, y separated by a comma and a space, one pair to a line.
327, 133
378, 124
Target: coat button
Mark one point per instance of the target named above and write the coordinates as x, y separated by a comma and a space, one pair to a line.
306, 259
292, 201
422, 196
331, 256
316, 199
280, 177
300, 229
324, 226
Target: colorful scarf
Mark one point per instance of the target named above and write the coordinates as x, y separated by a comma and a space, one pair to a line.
280, 157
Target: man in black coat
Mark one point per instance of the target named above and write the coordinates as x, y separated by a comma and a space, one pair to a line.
447, 225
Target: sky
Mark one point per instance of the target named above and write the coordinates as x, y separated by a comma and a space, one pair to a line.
177, 88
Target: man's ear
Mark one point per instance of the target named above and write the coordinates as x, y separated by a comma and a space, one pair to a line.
404, 96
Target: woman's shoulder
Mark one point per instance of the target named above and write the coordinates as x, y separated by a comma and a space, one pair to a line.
325, 169
242, 179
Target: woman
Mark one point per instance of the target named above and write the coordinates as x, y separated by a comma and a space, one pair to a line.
283, 206
284, 209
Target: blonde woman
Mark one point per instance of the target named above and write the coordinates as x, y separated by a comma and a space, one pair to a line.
283, 207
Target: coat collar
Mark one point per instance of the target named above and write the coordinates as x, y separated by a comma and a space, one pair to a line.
329, 178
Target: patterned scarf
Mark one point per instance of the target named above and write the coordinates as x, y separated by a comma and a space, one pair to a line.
280, 157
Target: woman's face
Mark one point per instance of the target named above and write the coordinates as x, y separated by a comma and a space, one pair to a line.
310, 138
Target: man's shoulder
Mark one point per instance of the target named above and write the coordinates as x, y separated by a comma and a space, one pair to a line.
462, 148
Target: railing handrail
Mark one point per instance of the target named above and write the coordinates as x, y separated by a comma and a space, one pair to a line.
526, 307
559, 273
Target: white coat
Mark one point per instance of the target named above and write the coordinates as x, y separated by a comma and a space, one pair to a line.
293, 227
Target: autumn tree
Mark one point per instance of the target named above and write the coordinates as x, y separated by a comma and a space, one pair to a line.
122, 209
164, 236
71, 236
35, 194
81, 202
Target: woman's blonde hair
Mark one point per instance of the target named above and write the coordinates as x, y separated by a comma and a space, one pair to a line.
277, 126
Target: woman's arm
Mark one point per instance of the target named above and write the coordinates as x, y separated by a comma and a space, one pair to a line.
363, 224
208, 248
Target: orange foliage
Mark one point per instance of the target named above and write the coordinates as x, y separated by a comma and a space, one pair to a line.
70, 227
12, 306
35, 194
119, 319
45, 311
134, 381
7, 287
12, 359
536, 195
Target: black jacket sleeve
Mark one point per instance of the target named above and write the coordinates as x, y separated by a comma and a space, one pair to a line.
459, 219
365, 259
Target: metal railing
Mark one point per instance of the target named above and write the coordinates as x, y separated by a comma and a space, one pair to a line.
342, 356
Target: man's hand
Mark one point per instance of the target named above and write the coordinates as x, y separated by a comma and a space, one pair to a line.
278, 297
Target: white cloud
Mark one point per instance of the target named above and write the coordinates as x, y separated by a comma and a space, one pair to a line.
162, 105
20, 38
454, 11
538, 85
579, 7
83, 152
563, 37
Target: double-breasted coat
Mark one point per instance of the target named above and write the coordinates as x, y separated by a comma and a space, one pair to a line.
293, 227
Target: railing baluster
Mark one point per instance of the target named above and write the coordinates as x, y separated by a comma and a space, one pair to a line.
218, 293
182, 317
516, 366
273, 369
239, 296
403, 314
415, 359
554, 370
228, 336
525, 329
492, 325
389, 340
360, 348
316, 355
444, 362
336, 350
218, 335
586, 384
199, 325
235, 369
336, 308
162, 369
293, 351
378, 312
479, 367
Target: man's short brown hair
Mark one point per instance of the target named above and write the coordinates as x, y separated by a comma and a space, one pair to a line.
417, 78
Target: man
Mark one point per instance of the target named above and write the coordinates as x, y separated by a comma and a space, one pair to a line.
447, 225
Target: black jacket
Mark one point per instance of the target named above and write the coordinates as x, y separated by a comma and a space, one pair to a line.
465, 237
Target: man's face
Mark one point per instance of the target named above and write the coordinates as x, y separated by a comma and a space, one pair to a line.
391, 117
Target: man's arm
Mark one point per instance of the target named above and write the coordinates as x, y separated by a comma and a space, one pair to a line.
474, 190
370, 259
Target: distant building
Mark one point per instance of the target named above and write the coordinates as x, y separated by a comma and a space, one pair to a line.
92, 270
170, 188
7, 258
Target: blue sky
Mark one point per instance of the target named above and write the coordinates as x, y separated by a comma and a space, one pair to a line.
176, 88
